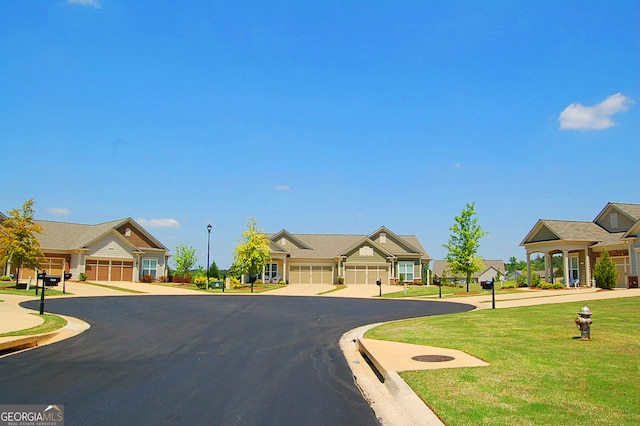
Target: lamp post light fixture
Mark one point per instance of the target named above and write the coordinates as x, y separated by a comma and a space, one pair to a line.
208, 247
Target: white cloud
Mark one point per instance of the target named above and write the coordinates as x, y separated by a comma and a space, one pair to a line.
283, 188
58, 210
158, 223
598, 117
92, 3
457, 165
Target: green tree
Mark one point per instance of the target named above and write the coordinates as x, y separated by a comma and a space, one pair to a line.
605, 272
252, 252
184, 259
18, 243
213, 270
464, 243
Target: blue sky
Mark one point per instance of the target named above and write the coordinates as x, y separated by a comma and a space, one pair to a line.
319, 117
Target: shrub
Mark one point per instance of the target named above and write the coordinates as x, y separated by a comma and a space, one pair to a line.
234, 282
147, 279
340, 281
82, 276
200, 281
605, 272
547, 286
282, 282
5, 278
510, 284
181, 279
258, 282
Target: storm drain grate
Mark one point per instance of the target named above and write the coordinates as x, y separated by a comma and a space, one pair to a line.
432, 358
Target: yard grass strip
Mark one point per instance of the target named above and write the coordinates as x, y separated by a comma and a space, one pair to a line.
111, 287
337, 287
540, 372
51, 323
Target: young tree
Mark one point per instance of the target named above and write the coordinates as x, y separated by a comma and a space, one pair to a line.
214, 272
184, 259
253, 251
605, 272
18, 243
464, 243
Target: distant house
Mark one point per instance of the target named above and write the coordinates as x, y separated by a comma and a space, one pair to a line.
120, 250
356, 259
493, 269
615, 229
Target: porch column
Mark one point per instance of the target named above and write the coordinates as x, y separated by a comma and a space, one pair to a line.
587, 267
548, 267
285, 272
565, 263
528, 269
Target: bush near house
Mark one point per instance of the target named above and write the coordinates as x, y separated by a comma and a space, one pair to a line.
5, 278
147, 279
605, 272
82, 276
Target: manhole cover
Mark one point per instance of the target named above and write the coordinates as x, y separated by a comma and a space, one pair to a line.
432, 358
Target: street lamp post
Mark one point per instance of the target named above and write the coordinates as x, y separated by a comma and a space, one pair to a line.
208, 247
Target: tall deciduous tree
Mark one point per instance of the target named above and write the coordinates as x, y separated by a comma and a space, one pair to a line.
184, 259
253, 251
464, 243
605, 272
18, 242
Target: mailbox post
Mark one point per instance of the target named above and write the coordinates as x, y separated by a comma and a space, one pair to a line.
44, 277
40, 276
64, 282
379, 283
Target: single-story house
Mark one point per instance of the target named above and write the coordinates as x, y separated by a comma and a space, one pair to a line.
121, 250
615, 229
492, 269
356, 259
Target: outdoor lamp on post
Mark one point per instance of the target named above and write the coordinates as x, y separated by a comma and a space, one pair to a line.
208, 247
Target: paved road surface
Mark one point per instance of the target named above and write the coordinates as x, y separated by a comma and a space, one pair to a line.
234, 360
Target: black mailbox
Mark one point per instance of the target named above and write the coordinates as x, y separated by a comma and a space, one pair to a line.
67, 276
41, 275
379, 282
436, 281
51, 281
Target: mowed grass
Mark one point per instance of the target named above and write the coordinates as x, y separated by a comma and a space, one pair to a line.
51, 323
9, 287
540, 374
475, 289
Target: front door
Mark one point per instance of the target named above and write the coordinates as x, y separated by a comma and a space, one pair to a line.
574, 272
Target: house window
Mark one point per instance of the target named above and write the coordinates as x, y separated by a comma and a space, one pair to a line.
406, 269
150, 267
383, 238
614, 220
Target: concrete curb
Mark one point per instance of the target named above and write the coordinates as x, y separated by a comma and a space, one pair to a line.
394, 402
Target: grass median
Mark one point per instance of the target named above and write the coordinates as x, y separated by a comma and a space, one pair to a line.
51, 323
540, 373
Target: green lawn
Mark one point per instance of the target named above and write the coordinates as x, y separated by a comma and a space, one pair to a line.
9, 287
540, 374
475, 289
51, 323
112, 287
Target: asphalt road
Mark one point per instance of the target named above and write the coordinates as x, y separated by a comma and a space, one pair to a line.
233, 360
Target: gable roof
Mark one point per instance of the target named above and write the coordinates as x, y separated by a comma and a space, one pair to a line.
566, 230
631, 210
329, 246
72, 236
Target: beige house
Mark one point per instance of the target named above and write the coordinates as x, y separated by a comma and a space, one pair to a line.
492, 270
615, 229
358, 259
120, 250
